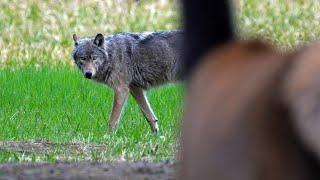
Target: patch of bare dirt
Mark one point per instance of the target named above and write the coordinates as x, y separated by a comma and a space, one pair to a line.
41, 146
112, 171
84, 170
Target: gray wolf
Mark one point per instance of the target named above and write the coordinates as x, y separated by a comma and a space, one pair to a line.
253, 113
130, 63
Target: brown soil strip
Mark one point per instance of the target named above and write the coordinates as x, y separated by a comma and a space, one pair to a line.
41, 146
118, 170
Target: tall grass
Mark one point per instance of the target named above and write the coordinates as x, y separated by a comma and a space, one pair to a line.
37, 33
285, 23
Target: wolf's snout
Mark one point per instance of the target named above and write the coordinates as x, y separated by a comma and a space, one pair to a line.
88, 75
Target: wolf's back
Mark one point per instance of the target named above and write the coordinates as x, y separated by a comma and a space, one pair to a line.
157, 58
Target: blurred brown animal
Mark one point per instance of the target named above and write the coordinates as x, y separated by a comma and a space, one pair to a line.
252, 114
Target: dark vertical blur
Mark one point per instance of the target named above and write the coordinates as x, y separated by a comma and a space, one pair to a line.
207, 23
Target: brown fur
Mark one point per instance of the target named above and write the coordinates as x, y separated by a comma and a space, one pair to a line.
302, 92
238, 125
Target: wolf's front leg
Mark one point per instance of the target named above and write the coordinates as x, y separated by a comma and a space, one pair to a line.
119, 99
145, 107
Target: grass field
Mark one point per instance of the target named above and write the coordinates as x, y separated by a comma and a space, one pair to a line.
59, 106
45, 100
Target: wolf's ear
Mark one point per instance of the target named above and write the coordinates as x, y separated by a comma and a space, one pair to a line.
99, 40
75, 39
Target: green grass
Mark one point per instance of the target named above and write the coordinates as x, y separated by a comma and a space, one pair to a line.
60, 106
57, 104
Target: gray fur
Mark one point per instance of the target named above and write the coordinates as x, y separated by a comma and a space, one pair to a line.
133, 60
141, 59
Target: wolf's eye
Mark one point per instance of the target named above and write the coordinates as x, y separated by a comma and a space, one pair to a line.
81, 62
94, 58
82, 58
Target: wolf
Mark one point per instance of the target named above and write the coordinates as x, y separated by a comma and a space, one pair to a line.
132, 63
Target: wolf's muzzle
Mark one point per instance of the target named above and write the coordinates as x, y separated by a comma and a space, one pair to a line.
88, 75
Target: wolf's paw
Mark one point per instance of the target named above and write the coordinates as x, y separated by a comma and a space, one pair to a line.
112, 128
155, 128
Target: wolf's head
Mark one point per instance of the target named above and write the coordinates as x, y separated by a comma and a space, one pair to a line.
89, 54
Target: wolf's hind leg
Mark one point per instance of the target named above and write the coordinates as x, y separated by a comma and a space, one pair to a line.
119, 99
140, 97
